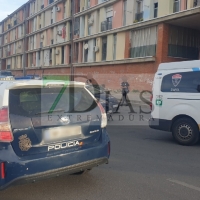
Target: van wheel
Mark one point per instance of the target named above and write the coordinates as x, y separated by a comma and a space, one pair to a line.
185, 131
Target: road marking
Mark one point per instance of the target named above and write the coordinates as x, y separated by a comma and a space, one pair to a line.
185, 184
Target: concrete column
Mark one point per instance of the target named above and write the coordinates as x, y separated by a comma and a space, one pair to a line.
99, 53
162, 43
67, 54
165, 7
58, 57
120, 45
183, 4
86, 25
68, 7
190, 4
109, 55
80, 52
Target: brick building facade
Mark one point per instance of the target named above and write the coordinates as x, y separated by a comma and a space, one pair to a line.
110, 38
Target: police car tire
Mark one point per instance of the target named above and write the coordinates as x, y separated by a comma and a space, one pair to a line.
188, 124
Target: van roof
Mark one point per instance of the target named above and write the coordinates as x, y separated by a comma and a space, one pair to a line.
195, 64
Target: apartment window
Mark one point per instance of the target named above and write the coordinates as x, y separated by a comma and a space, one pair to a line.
64, 11
70, 30
51, 1
22, 30
125, 11
77, 26
155, 10
89, 30
196, 3
39, 55
104, 48
88, 3
89, 24
76, 52
62, 54
70, 54
42, 4
143, 42
183, 43
50, 57
86, 53
107, 25
176, 6
94, 54
139, 14
139, 6
114, 46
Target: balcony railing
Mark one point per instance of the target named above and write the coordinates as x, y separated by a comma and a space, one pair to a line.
139, 16
106, 25
176, 6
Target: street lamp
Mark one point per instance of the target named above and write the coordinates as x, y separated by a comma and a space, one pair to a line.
24, 43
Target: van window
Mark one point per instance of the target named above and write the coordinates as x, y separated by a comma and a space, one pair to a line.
188, 82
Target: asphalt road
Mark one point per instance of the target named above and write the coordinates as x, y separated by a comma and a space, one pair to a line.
144, 164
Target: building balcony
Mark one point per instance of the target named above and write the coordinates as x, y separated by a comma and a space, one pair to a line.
106, 25
139, 16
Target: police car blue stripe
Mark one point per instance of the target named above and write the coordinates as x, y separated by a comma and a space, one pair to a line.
196, 69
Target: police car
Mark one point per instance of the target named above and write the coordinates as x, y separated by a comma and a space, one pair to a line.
176, 100
49, 128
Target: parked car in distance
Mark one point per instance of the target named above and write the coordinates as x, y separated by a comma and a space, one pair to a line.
37, 77
6, 73
109, 102
48, 132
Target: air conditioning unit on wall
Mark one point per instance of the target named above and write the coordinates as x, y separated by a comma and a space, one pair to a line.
59, 32
90, 21
96, 49
58, 9
86, 46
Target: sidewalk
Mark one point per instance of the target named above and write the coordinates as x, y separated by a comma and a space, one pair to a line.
134, 97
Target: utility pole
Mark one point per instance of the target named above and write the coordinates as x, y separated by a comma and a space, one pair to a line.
72, 41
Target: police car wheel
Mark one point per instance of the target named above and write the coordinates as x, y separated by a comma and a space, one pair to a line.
185, 131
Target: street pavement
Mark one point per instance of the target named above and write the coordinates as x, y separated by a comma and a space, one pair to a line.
144, 164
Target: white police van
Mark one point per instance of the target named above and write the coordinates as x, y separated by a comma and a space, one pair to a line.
176, 101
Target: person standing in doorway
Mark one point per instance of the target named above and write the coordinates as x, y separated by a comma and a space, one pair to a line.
125, 90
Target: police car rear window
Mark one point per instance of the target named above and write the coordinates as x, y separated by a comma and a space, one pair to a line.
31, 102
188, 82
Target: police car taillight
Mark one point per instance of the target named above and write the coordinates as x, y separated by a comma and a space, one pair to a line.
5, 130
103, 116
